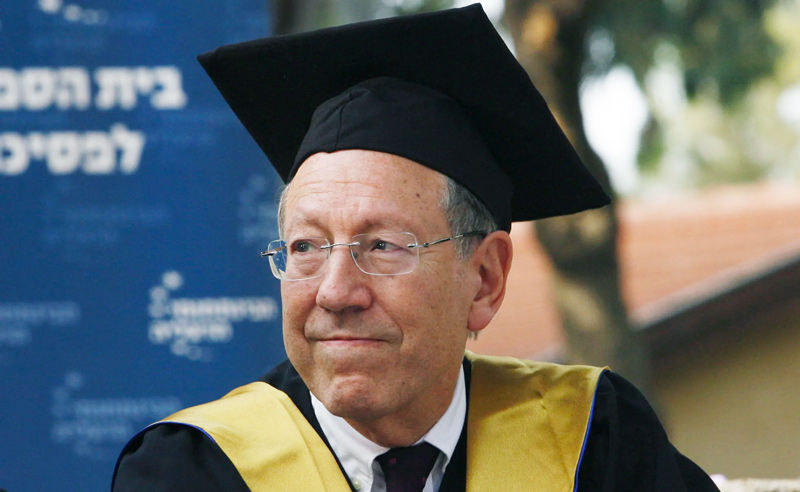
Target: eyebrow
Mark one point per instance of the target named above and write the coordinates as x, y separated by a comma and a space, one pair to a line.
366, 225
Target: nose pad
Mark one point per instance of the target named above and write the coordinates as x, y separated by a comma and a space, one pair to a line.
354, 255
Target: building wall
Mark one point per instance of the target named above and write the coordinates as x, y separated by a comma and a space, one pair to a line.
731, 401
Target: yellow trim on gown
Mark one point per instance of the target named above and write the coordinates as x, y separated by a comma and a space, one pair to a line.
527, 422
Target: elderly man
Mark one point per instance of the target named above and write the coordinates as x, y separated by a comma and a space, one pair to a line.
409, 146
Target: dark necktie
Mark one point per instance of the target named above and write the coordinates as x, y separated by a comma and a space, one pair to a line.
407, 469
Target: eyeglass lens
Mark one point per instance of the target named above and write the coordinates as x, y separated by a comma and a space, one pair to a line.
383, 253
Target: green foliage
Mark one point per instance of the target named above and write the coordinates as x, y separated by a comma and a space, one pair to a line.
726, 56
722, 44
652, 148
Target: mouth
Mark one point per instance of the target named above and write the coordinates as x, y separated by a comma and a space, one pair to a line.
349, 341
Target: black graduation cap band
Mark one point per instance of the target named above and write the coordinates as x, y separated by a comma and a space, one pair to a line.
274, 85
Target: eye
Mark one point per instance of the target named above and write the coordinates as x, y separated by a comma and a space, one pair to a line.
383, 245
303, 246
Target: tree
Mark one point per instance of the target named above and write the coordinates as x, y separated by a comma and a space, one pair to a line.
721, 47
550, 39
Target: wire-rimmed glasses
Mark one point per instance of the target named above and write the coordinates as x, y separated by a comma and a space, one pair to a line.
374, 253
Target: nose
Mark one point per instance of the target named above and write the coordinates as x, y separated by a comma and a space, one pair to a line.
343, 286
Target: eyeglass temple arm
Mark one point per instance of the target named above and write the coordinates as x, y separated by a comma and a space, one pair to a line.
445, 239
272, 252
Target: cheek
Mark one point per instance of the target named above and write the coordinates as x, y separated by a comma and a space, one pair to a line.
437, 311
297, 301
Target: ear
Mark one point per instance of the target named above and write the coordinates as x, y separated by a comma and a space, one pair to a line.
492, 261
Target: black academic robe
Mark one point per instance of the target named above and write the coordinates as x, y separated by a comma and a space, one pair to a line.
627, 449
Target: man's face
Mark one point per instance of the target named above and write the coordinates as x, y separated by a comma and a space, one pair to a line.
375, 348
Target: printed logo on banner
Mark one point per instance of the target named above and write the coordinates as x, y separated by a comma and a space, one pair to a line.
117, 150
191, 326
18, 320
110, 134
72, 225
97, 427
257, 213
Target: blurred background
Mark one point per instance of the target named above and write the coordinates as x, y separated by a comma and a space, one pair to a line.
133, 206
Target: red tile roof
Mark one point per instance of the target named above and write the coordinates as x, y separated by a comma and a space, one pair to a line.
668, 246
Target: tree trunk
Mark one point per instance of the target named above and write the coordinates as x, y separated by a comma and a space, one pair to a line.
550, 37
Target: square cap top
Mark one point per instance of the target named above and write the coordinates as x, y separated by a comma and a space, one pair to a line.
274, 85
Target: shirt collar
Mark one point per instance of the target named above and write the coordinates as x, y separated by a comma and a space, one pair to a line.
356, 453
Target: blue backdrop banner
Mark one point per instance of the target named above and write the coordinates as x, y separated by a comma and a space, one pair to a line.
132, 209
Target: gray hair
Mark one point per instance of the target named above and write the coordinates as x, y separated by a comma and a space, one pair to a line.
465, 213
462, 209
283, 194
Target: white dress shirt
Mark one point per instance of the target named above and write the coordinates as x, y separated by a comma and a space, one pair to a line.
357, 454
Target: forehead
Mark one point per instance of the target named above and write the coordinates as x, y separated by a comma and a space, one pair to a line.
364, 189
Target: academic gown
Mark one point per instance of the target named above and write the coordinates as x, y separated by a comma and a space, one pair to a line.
627, 449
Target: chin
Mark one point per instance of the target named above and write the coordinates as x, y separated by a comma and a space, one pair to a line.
353, 402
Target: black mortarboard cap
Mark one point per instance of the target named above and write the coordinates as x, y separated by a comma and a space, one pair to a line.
439, 88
